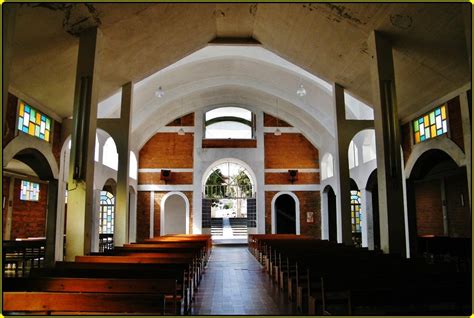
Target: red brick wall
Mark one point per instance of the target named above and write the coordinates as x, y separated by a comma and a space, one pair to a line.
289, 151
283, 178
167, 150
270, 121
143, 215
9, 130
229, 143
429, 213
459, 214
186, 120
176, 178
5, 191
455, 122
29, 217
158, 197
309, 202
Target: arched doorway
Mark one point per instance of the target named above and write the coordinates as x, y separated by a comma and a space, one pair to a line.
174, 214
329, 198
229, 204
438, 205
285, 213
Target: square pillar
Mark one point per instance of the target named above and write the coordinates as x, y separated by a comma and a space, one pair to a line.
122, 139
387, 132
81, 167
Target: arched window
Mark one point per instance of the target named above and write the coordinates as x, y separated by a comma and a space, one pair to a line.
327, 166
107, 213
110, 155
368, 147
133, 169
229, 123
355, 211
353, 155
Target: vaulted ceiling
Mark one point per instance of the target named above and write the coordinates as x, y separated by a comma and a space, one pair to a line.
328, 40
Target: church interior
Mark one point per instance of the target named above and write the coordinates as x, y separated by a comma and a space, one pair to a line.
237, 159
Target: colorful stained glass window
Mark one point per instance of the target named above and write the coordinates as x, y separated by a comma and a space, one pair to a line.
431, 125
29, 191
355, 211
107, 213
33, 122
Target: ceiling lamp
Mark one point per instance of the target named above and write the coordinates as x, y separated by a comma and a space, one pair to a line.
159, 92
277, 130
301, 92
181, 131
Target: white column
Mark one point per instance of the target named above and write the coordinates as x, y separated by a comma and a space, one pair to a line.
95, 222
260, 173
152, 214
367, 221
466, 128
8, 226
197, 173
81, 169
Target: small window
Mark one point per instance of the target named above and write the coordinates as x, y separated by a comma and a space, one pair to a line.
110, 155
133, 169
355, 211
29, 191
431, 125
33, 122
229, 123
353, 155
107, 213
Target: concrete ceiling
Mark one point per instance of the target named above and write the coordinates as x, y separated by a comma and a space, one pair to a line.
328, 40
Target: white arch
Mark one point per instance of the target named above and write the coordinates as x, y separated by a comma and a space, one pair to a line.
22, 142
163, 212
297, 211
327, 166
208, 171
110, 154
441, 143
133, 169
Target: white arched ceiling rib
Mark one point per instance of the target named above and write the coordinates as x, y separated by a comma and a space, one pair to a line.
308, 126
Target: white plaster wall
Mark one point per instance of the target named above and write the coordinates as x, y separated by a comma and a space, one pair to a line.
175, 215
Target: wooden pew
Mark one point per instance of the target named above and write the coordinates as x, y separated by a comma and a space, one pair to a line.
160, 288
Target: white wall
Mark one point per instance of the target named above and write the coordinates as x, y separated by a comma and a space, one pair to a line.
175, 215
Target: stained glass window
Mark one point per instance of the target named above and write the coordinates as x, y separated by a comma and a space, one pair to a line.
29, 191
33, 122
431, 125
355, 211
107, 213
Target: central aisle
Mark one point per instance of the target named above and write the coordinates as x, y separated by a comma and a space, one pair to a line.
234, 283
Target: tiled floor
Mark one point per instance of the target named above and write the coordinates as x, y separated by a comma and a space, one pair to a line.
234, 284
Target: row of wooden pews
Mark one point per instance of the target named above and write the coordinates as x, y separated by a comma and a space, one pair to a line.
155, 277
326, 278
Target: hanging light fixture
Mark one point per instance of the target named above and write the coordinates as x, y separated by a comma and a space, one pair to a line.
277, 130
181, 130
301, 91
159, 92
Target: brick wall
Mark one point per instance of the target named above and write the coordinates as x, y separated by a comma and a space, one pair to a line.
289, 151
459, 214
270, 121
283, 178
167, 150
29, 217
309, 202
229, 143
429, 213
455, 122
176, 178
5, 191
143, 215
186, 120
9, 130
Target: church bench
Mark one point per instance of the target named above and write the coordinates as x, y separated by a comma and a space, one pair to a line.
191, 273
41, 303
164, 288
178, 272
21, 252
